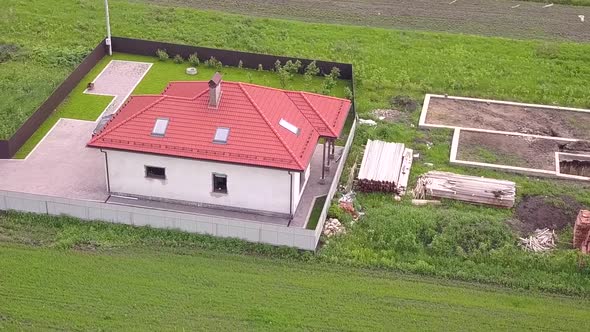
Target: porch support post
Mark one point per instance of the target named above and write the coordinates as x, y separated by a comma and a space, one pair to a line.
323, 179
332, 149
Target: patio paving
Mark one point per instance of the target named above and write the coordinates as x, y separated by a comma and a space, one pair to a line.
119, 78
61, 165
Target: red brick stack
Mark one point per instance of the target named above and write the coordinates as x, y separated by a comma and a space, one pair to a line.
582, 231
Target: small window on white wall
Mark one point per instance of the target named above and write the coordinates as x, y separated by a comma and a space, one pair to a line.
219, 183
153, 172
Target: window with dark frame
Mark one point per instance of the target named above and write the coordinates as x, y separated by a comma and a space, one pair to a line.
155, 172
219, 183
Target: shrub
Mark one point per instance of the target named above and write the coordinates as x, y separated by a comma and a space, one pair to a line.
213, 63
330, 81
240, 64
287, 71
310, 71
348, 93
8, 52
178, 59
193, 59
162, 55
260, 68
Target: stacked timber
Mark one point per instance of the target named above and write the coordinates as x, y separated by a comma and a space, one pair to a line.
385, 167
582, 230
466, 188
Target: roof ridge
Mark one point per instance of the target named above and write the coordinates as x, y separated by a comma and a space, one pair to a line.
126, 120
318, 113
270, 125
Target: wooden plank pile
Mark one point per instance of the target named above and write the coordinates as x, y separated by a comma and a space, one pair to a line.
385, 167
466, 188
582, 231
541, 240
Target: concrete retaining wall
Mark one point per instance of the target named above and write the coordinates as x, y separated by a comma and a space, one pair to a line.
136, 216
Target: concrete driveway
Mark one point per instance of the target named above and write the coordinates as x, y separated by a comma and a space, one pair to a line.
61, 165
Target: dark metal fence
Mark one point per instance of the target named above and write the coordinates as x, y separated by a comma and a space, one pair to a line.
144, 47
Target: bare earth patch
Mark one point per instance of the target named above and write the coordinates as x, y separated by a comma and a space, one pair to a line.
516, 19
500, 149
537, 212
509, 118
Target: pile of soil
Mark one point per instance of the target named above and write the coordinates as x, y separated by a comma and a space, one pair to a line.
537, 212
578, 146
404, 103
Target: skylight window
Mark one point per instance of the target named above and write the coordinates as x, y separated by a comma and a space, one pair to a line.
289, 126
221, 135
160, 127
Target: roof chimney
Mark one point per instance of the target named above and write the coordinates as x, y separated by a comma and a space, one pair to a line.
215, 90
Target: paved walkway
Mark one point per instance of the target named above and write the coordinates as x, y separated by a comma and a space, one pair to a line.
313, 187
119, 78
61, 165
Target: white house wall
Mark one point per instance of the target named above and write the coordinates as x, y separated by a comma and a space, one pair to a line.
191, 180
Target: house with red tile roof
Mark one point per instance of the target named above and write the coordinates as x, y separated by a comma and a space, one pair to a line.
227, 145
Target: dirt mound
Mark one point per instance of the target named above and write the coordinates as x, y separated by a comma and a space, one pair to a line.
404, 103
578, 146
535, 212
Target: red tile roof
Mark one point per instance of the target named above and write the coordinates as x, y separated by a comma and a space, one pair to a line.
251, 112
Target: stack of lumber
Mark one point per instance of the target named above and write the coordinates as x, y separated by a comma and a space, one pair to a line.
582, 231
466, 188
541, 240
385, 167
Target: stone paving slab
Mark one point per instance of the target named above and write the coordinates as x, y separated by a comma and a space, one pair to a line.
61, 165
119, 78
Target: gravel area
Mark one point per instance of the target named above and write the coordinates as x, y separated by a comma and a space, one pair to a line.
119, 79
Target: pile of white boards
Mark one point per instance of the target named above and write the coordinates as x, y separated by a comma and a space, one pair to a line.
385, 167
466, 188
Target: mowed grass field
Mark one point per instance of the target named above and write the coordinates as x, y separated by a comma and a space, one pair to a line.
72, 275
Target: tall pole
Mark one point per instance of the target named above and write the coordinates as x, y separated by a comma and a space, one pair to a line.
106, 8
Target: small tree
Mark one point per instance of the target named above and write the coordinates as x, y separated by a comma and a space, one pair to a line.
178, 59
310, 71
240, 64
260, 68
193, 59
162, 55
330, 81
348, 93
287, 71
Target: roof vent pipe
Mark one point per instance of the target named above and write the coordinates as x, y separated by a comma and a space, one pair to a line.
215, 90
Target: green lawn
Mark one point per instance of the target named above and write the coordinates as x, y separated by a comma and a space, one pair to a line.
62, 274
89, 107
314, 217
